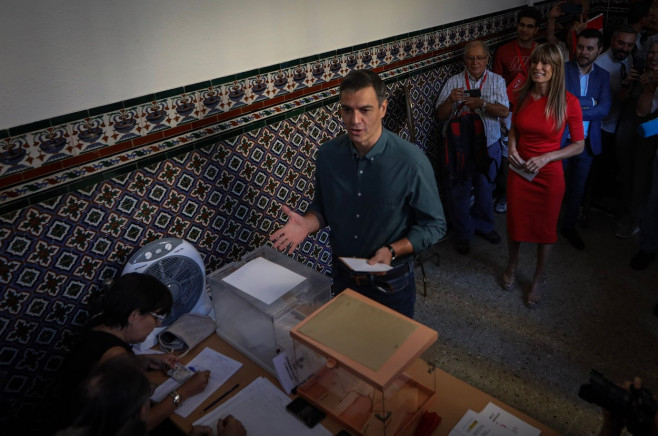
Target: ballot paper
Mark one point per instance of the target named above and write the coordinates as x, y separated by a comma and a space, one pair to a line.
521, 172
264, 280
492, 421
505, 419
221, 369
361, 265
261, 407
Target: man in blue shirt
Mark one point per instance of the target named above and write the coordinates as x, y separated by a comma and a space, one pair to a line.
378, 194
591, 84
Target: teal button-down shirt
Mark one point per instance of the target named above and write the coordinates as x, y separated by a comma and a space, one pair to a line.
374, 200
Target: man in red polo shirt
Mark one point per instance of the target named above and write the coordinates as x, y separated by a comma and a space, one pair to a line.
511, 62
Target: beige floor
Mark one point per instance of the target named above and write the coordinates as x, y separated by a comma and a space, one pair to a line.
596, 313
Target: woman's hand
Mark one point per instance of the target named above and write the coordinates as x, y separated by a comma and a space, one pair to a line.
230, 426
194, 385
649, 81
513, 156
535, 163
161, 362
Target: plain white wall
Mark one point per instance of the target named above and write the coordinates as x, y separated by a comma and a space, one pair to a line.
62, 56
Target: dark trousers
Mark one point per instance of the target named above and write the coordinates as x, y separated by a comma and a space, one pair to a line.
466, 220
395, 289
635, 156
649, 224
604, 174
576, 171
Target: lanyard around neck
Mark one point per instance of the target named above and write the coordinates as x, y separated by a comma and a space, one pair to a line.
518, 53
468, 84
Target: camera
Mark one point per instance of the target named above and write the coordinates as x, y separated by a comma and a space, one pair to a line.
638, 64
573, 9
636, 407
472, 93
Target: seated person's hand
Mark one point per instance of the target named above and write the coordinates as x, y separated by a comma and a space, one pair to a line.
195, 384
162, 362
200, 430
230, 426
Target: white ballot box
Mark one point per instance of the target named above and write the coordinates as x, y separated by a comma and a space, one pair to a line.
258, 299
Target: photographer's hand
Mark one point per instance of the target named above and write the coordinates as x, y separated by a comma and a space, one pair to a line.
613, 424
457, 94
473, 102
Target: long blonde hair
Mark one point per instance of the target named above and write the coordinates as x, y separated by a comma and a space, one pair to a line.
556, 107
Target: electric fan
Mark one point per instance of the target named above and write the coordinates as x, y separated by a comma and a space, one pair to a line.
178, 265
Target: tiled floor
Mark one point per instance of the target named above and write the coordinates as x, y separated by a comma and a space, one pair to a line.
596, 313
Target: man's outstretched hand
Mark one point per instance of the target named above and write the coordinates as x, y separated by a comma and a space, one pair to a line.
295, 231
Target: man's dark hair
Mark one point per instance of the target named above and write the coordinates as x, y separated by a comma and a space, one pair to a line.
359, 79
638, 10
591, 34
624, 28
529, 12
130, 292
111, 398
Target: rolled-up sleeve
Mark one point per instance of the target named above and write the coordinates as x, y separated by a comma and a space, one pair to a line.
429, 220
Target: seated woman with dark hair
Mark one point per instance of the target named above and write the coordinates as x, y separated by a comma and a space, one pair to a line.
132, 307
114, 401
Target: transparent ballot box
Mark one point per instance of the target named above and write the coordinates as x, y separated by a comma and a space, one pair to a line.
258, 299
372, 378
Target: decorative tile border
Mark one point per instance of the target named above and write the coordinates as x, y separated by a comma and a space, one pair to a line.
68, 149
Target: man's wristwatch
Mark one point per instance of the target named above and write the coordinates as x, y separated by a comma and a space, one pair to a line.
176, 397
392, 250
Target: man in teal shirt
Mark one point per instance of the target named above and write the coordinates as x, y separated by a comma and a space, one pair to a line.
378, 194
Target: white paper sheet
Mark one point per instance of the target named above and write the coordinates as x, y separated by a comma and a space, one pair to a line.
505, 419
492, 421
361, 265
475, 424
261, 407
264, 280
221, 369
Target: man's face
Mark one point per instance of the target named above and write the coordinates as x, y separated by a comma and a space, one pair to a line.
526, 29
476, 61
362, 115
622, 45
587, 50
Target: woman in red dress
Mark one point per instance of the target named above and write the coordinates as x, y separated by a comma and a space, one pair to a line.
536, 182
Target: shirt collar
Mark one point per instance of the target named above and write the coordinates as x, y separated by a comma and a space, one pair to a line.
473, 79
376, 149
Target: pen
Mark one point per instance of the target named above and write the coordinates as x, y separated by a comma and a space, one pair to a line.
221, 397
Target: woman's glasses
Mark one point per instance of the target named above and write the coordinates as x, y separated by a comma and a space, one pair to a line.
158, 318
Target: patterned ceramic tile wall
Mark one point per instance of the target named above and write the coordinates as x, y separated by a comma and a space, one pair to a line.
218, 186
51, 155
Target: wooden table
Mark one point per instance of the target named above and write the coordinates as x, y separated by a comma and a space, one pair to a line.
453, 396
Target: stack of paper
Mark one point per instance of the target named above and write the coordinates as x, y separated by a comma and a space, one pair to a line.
221, 369
492, 421
261, 407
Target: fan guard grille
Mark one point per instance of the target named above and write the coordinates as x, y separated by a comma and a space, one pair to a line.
184, 278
